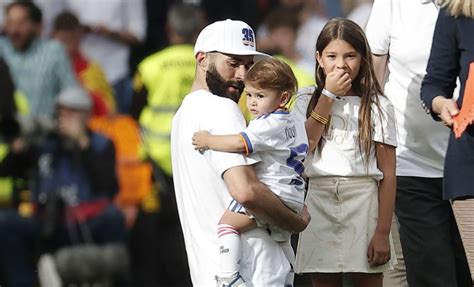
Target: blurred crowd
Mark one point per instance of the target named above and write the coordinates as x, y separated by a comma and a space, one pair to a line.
88, 90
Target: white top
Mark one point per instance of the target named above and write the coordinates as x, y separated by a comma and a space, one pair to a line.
117, 15
360, 14
339, 153
202, 196
404, 30
306, 39
281, 142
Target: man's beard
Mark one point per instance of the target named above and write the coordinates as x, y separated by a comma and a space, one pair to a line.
23, 45
219, 87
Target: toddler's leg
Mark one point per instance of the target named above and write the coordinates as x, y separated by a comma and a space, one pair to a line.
290, 255
228, 230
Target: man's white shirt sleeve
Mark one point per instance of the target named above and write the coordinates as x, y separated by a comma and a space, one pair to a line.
378, 27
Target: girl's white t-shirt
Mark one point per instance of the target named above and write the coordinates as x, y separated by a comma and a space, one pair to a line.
403, 30
338, 153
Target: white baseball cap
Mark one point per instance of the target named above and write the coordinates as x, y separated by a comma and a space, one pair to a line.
75, 98
230, 37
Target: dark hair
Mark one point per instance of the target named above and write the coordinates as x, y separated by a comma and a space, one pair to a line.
34, 12
186, 21
272, 74
282, 17
364, 85
66, 21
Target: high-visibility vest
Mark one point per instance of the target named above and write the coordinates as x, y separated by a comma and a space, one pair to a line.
6, 183
168, 76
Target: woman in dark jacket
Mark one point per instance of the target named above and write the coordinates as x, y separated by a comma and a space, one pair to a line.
452, 53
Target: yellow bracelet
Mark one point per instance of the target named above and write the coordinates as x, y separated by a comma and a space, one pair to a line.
320, 119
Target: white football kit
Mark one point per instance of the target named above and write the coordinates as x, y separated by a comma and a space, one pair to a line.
281, 143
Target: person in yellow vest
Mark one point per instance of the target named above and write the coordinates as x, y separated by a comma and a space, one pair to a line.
10, 182
162, 80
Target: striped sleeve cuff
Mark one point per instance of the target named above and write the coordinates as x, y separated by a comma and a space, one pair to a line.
247, 143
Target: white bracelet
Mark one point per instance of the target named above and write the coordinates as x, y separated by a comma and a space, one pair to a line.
330, 95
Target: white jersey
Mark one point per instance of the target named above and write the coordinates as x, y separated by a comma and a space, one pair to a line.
403, 30
202, 196
281, 143
339, 154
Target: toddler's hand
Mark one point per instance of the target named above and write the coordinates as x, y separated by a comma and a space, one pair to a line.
200, 140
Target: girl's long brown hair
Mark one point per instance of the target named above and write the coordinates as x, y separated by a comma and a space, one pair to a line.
365, 84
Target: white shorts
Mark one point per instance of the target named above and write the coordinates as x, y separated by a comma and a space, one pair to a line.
276, 233
344, 213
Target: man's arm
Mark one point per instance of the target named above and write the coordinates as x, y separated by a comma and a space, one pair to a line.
257, 198
380, 67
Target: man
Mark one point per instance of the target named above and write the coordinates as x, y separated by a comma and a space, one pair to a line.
68, 31
162, 81
160, 84
428, 232
74, 184
39, 67
205, 183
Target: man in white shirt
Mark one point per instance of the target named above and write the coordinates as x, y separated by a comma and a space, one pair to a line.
205, 183
400, 35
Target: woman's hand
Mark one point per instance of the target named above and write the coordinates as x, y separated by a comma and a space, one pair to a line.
201, 140
446, 109
338, 82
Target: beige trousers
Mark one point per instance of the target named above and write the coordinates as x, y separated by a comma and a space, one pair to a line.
464, 213
396, 277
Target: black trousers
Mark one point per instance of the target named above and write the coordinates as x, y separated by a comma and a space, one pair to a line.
432, 248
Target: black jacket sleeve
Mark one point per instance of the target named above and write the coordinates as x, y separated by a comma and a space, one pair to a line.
7, 89
443, 64
100, 165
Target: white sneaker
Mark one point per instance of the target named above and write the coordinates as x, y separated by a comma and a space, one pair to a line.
47, 272
234, 281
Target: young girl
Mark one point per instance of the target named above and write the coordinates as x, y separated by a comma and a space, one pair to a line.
281, 144
351, 166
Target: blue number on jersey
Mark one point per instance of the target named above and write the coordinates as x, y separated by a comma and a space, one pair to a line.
248, 39
297, 154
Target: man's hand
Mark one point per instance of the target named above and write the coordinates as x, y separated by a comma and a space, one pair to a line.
201, 140
338, 82
378, 252
305, 215
73, 129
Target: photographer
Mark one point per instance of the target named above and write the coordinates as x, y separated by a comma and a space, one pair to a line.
73, 183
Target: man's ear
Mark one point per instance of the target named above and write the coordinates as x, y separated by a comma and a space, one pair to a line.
202, 59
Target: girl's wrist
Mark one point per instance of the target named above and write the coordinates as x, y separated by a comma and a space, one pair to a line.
382, 231
330, 94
